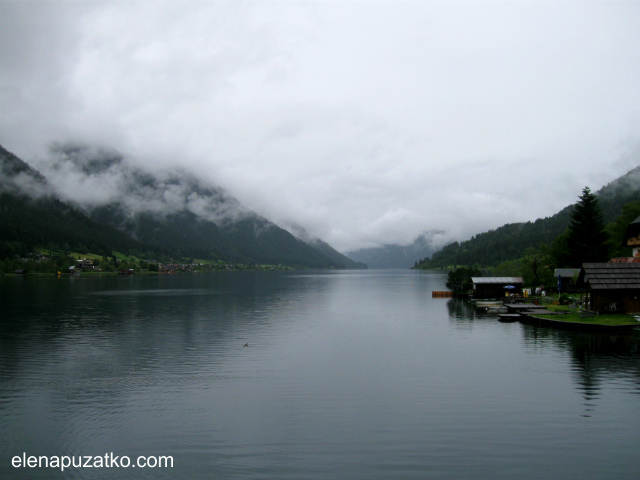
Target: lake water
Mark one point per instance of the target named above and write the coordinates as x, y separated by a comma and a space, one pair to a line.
347, 375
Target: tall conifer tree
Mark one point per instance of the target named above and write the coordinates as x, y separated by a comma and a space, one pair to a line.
586, 235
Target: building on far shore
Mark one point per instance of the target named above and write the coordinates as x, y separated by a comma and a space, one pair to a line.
496, 287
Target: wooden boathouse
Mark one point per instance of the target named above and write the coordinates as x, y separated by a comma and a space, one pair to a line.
496, 287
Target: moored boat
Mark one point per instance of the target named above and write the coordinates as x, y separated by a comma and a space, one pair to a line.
508, 317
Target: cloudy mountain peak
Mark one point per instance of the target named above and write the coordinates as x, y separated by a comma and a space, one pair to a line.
169, 210
97, 177
17, 177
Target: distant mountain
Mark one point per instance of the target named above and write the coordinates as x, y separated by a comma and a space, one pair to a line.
169, 211
395, 256
511, 240
337, 257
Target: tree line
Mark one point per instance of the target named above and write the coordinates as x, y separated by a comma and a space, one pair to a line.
577, 235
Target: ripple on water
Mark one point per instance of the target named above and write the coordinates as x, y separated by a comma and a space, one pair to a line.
345, 376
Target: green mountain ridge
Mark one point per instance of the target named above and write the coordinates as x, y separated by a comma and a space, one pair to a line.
172, 214
510, 241
32, 216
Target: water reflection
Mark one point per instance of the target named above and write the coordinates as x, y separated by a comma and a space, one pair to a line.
594, 358
464, 315
78, 330
461, 309
358, 374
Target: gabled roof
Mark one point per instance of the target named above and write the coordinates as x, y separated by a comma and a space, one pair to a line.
610, 276
498, 280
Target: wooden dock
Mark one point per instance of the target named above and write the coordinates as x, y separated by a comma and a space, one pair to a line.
441, 294
527, 313
524, 307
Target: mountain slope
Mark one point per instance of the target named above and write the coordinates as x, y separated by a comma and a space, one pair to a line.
251, 240
335, 256
174, 211
511, 240
31, 216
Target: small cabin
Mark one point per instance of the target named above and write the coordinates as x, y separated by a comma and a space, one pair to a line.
496, 287
567, 279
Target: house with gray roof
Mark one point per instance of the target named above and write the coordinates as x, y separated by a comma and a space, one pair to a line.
614, 287
567, 278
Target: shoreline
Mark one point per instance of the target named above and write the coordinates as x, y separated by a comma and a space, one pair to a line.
532, 319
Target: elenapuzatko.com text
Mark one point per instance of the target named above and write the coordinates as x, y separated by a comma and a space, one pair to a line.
108, 460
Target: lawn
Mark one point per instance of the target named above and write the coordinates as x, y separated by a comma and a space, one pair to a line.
574, 316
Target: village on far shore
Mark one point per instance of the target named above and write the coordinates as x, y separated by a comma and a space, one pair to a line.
40, 263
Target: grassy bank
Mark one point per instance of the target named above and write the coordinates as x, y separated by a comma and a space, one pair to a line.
608, 319
564, 313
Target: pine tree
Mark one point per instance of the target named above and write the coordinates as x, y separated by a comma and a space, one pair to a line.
586, 234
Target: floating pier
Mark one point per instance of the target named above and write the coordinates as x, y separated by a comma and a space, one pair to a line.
441, 294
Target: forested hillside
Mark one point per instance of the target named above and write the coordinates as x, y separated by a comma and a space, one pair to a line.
510, 241
150, 215
26, 224
31, 216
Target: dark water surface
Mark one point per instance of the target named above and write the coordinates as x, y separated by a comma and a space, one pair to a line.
348, 375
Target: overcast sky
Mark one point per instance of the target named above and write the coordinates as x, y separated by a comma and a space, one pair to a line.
364, 122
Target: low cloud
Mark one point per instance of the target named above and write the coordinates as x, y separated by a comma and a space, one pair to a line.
363, 122
94, 177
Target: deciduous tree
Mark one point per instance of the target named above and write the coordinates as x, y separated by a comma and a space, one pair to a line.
459, 280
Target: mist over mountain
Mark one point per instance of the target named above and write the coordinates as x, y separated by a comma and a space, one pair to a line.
18, 178
620, 191
168, 210
396, 256
94, 177
509, 241
32, 216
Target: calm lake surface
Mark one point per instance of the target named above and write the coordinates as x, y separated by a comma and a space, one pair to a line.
347, 375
